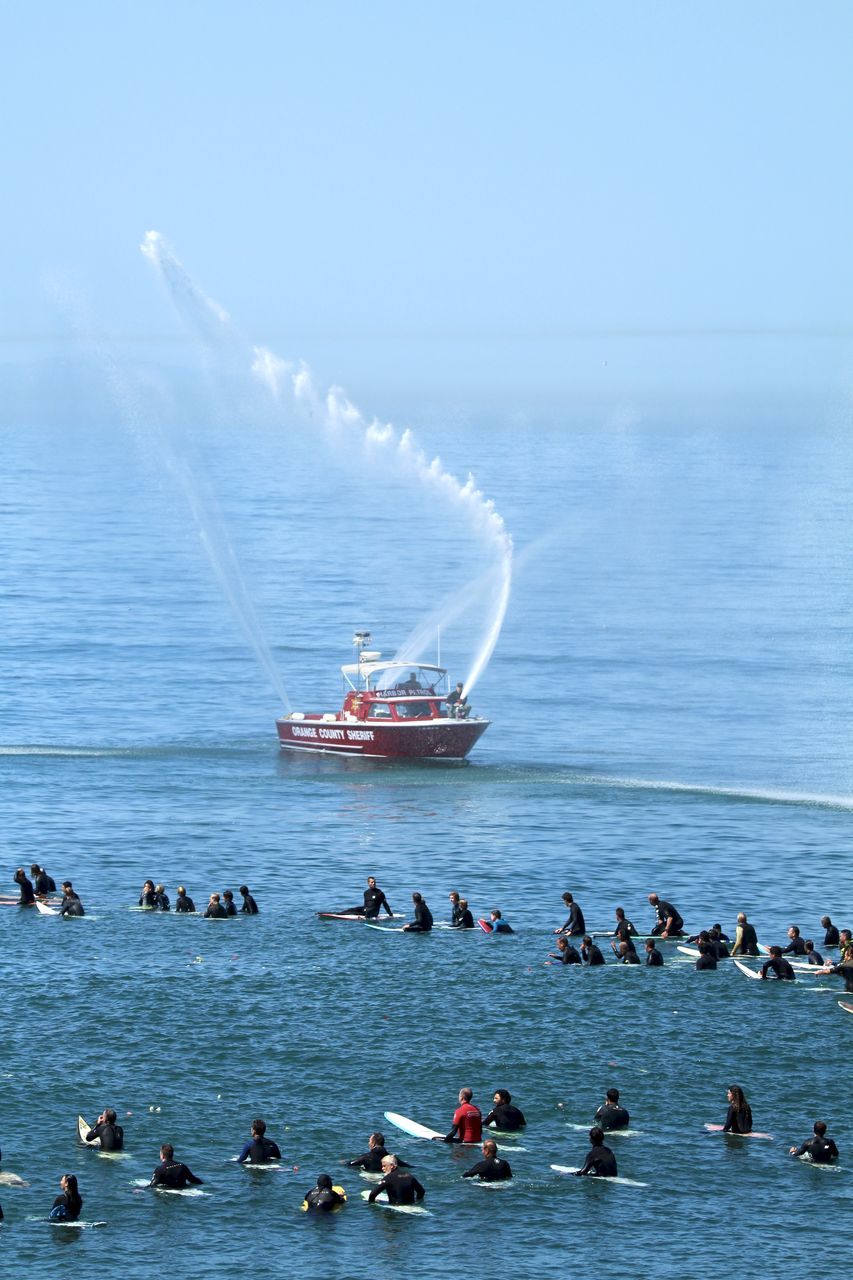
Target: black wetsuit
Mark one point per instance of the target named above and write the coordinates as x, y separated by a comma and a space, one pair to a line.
173, 1175
28, 897
374, 902
490, 1169
323, 1199
796, 947
831, 937
814, 957
575, 922
184, 902
259, 1151
654, 959
161, 901
625, 932
66, 1208
462, 919
571, 955
230, 907
666, 911
111, 1136
844, 969
738, 1121
216, 912
779, 967
401, 1188
422, 922
821, 1150
505, 1115
44, 884
611, 1116
250, 907
719, 948
148, 898
71, 905
592, 955
706, 961
371, 1161
600, 1163
630, 957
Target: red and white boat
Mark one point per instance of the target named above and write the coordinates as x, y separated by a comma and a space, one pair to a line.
391, 711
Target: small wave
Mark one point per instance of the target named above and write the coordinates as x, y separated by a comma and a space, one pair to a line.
162, 751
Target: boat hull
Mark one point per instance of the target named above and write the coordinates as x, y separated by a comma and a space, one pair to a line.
426, 740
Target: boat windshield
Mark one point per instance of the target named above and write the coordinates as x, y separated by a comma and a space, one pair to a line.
397, 679
414, 710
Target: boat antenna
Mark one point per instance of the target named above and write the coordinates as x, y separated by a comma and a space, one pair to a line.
438, 646
361, 639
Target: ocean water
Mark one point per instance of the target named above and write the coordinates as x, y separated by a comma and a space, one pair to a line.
670, 702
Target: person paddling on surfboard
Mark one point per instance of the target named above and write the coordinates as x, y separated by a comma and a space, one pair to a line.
71, 904
504, 1114
492, 1168
400, 1187
371, 1161
107, 1132
422, 922
778, 966
669, 923
610, 1115
259, 1150
739, 1114
600, 1161
820, 1149
170, 1173
467, 1121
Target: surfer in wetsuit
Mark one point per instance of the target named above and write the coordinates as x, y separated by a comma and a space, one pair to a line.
28, 897
161, 898
707, 960
625, 952
575, 922
796, 946
249, 907
107, 1132
669, 923
323, 1198
830, 938
820, 1149
374, 902
746, 939
498, 924
625, 930
778, 966
590, 953
843, 968
229, 903
67, 1207
739, 1114
463, 918
71, 904
399, 1187
371, 1161
600, 1161
422, 922
504, 1115
492, 1168
215, 909
170, 1173
467, 1121
812, 956
42, 882
654, 959
183, 901
565, 953
259, 1150
148, 896
610, 1115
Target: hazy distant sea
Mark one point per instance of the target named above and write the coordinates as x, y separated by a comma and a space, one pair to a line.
671, 701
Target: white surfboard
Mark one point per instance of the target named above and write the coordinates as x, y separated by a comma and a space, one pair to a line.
718, 1128
80, 1225
608, 1133
144, 1183
44, 909
745, 969
623, 1182
416, 1210
411, 1127
8, 1179
354, 915
846, 1005
82, 1129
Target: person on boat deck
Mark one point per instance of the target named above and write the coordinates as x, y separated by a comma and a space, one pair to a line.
590, 953
624, 930
575, 922
399, 1187
600, 1161
464, 919
565, 953
625, 952
654, 959
707, 959
820, 1149
796, 946
746, 939
71, 904
610, 1115
739, 1114
492, 1168
374, 902
669, 923
148, 896
504, 1114
68, 1206
778, 966
259, 1150
215, 909
105, 1129
42, 882
467, 1123
249, 907
830, 938
371, 1161
413, 684
229, 903
422, 922
812, 956
161, 898
28, 897
323, 1198
457, 702
171, 1173
183, 901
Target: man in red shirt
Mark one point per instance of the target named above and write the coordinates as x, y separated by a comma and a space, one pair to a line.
467, 1121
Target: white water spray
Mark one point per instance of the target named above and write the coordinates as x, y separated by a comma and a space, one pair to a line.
396, 451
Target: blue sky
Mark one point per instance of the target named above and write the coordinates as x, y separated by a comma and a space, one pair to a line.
471, 197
